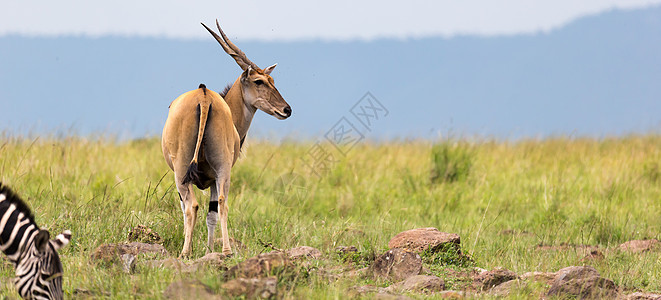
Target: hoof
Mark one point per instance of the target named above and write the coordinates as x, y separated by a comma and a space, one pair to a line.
227, 252
184, 256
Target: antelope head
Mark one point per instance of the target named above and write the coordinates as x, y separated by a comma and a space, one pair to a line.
257, 85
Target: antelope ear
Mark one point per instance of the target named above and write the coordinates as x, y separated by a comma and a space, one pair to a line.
268, 70
62, 239
41, 240
246, 73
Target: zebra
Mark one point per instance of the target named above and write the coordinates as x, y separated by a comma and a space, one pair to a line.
38, 266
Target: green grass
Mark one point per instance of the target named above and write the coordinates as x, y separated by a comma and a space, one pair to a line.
553, 192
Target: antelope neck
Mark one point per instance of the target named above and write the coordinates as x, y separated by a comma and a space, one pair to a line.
242, 113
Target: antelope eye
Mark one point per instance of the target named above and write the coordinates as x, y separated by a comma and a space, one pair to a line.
259, 82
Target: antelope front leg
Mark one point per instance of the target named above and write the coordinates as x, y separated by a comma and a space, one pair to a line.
223, 210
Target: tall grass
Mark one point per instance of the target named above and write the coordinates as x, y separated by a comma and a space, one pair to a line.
557, 191
451, 161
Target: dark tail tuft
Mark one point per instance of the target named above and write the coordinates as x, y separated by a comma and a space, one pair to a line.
191, 174
204, 88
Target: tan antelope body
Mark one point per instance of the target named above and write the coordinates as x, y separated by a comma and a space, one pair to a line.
203, 135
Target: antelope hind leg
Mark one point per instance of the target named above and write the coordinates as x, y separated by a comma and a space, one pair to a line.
189, 206
212, 217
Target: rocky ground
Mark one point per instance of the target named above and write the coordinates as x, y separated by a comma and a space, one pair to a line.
402, 268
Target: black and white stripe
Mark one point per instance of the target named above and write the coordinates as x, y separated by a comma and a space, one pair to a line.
38, 266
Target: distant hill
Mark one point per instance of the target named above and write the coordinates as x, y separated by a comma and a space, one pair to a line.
599, 75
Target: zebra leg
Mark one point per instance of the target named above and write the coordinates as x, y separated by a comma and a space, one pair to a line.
212, 217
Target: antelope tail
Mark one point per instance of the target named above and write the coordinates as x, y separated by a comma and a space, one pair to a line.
203, 109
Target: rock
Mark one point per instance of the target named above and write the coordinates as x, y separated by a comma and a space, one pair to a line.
591, 287
397, 264
111, 253
128, 263
144, 234
188, 289
546, 277
252, 288
215, 259
642, 296
450, 295
418, 283
489, 279
638, 246
172, 263
422, 239
582, 282
569, 273
389, 296
505, 288
426, 271
265, 264
303, 252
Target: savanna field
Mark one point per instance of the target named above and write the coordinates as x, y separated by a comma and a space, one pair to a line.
529, 205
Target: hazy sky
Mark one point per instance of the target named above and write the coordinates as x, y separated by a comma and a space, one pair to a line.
296, 19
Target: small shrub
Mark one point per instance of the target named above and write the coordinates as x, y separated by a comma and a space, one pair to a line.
144, 234
450, 162
448, 255
355, 257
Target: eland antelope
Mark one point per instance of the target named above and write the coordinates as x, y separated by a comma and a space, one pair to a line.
203, 135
